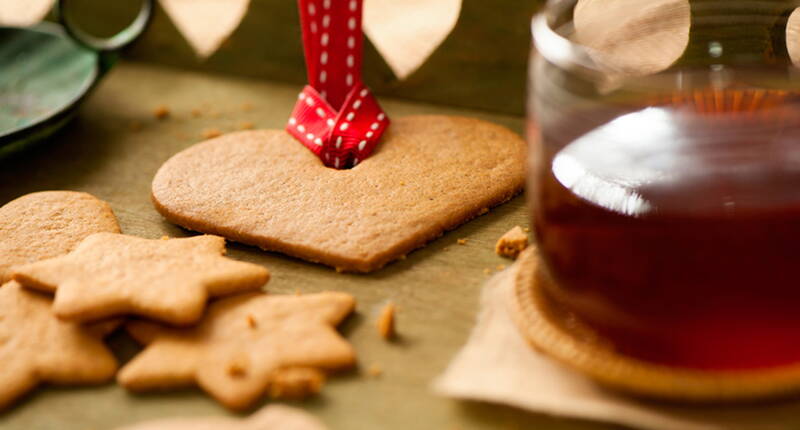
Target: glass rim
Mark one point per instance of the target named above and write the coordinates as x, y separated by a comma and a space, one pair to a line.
556, 48
562, 51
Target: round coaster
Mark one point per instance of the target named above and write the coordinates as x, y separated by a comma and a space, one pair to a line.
556, 332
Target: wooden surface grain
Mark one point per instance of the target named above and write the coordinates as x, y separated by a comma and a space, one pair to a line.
113, 149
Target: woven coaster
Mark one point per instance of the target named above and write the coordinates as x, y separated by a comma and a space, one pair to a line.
556, 332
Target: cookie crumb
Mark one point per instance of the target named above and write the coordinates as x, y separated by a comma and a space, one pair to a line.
251, 322
237, 370
297, 292
526, 229
501, 267
165, 237
375, 370
247, 107
211, 133
402, 183
161, 112
462, 241
487, 271
135, 125
512, 243
246, 125
296, 383
386, 325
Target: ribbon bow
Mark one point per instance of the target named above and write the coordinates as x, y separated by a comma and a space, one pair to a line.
336, 116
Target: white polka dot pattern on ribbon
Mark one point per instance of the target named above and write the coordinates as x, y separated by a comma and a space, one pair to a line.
340, 138
336, 116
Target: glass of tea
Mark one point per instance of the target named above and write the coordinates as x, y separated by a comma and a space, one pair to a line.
664, 177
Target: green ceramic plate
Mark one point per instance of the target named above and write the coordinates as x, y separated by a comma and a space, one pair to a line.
48, 70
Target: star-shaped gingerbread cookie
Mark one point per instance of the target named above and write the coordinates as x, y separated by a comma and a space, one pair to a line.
114, 274
246, 346
37, 347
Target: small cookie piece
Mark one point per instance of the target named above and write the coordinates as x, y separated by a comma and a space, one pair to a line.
385, 324
37, 347
161, 112
272, 417
296, 383
512, 243
264, 188
237, 361
210, 133
114, 274
375, 370
48, 224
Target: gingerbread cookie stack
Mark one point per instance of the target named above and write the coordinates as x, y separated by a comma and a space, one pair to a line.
238, 348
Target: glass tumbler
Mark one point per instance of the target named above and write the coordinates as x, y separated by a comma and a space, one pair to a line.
664, 176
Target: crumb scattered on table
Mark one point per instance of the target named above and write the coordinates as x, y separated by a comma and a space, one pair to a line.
247, 107
462, 241
165, 237
375, 370
501, 267
251, 321
512, 243
526, 229
246, 125
161, 112
211, 133
487, 271
196, 113
386, 325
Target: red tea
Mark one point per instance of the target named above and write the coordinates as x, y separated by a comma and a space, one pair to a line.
675, 230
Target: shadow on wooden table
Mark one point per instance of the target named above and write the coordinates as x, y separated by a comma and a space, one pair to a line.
493, 415
62, 161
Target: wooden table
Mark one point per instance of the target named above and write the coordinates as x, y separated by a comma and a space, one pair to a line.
113, 149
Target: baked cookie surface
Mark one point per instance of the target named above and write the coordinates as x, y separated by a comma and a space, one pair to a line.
429, 174
243, 346
272, 417
113, 275
47, 224
37, 347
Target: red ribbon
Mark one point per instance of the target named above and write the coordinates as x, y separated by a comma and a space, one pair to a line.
336, 116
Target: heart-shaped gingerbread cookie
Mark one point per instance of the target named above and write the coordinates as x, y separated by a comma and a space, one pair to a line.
48, 224
430, 174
